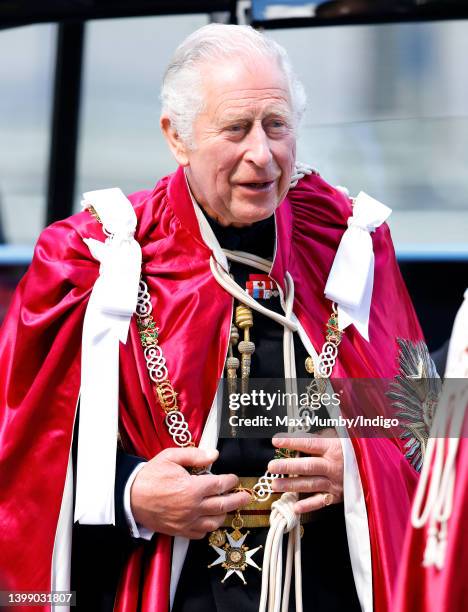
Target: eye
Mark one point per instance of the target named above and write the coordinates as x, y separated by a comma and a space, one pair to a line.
236, 128
277, 125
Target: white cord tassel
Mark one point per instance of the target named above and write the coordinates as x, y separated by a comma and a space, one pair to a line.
433, 501
283, 520
430, 552
299, 172
434, 496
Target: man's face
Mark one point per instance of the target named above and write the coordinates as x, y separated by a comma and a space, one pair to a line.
241, 165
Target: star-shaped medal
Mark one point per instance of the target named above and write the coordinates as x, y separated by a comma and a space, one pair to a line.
234, 556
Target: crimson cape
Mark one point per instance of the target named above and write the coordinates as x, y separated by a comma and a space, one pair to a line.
40, 369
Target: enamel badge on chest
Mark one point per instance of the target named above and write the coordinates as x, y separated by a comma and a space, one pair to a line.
261, 286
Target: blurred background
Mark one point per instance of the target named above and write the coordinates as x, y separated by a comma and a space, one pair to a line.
387, 113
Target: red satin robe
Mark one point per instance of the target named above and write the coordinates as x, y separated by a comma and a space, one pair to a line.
40, 368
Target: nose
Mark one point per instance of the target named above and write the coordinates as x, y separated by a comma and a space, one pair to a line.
258, 149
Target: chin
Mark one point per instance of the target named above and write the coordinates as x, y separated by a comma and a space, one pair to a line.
247, 214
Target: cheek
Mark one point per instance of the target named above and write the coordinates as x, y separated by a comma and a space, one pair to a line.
292, 154
226, 163
223, 188
286, 159
286, 155
213, 172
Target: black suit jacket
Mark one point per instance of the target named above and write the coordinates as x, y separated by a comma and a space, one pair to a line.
99, 551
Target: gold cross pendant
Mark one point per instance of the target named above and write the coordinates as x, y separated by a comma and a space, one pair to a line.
234, 556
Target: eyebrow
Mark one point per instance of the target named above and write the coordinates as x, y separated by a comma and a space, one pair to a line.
232, 116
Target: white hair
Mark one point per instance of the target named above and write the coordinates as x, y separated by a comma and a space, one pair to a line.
181, 92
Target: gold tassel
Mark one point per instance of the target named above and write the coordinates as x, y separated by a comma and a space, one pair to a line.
244, 320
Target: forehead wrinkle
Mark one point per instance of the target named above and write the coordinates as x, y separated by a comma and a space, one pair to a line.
244, 95
249, 106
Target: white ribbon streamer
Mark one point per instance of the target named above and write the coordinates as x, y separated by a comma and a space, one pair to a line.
107, 319
351, 277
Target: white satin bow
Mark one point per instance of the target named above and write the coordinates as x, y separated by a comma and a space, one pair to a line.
351, 277
107, 320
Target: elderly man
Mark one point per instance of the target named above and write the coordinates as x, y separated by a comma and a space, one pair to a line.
130, 335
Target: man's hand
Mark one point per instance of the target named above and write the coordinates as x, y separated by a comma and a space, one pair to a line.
166, 498
319, 473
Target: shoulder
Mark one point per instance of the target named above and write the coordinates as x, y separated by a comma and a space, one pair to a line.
313, 199
148, 201
315, 202
151, 209
64, 238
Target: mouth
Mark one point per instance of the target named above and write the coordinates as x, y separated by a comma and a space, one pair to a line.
259, 187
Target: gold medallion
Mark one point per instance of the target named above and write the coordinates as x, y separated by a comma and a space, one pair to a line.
309, 365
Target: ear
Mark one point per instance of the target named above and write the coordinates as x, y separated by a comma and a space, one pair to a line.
177, 147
